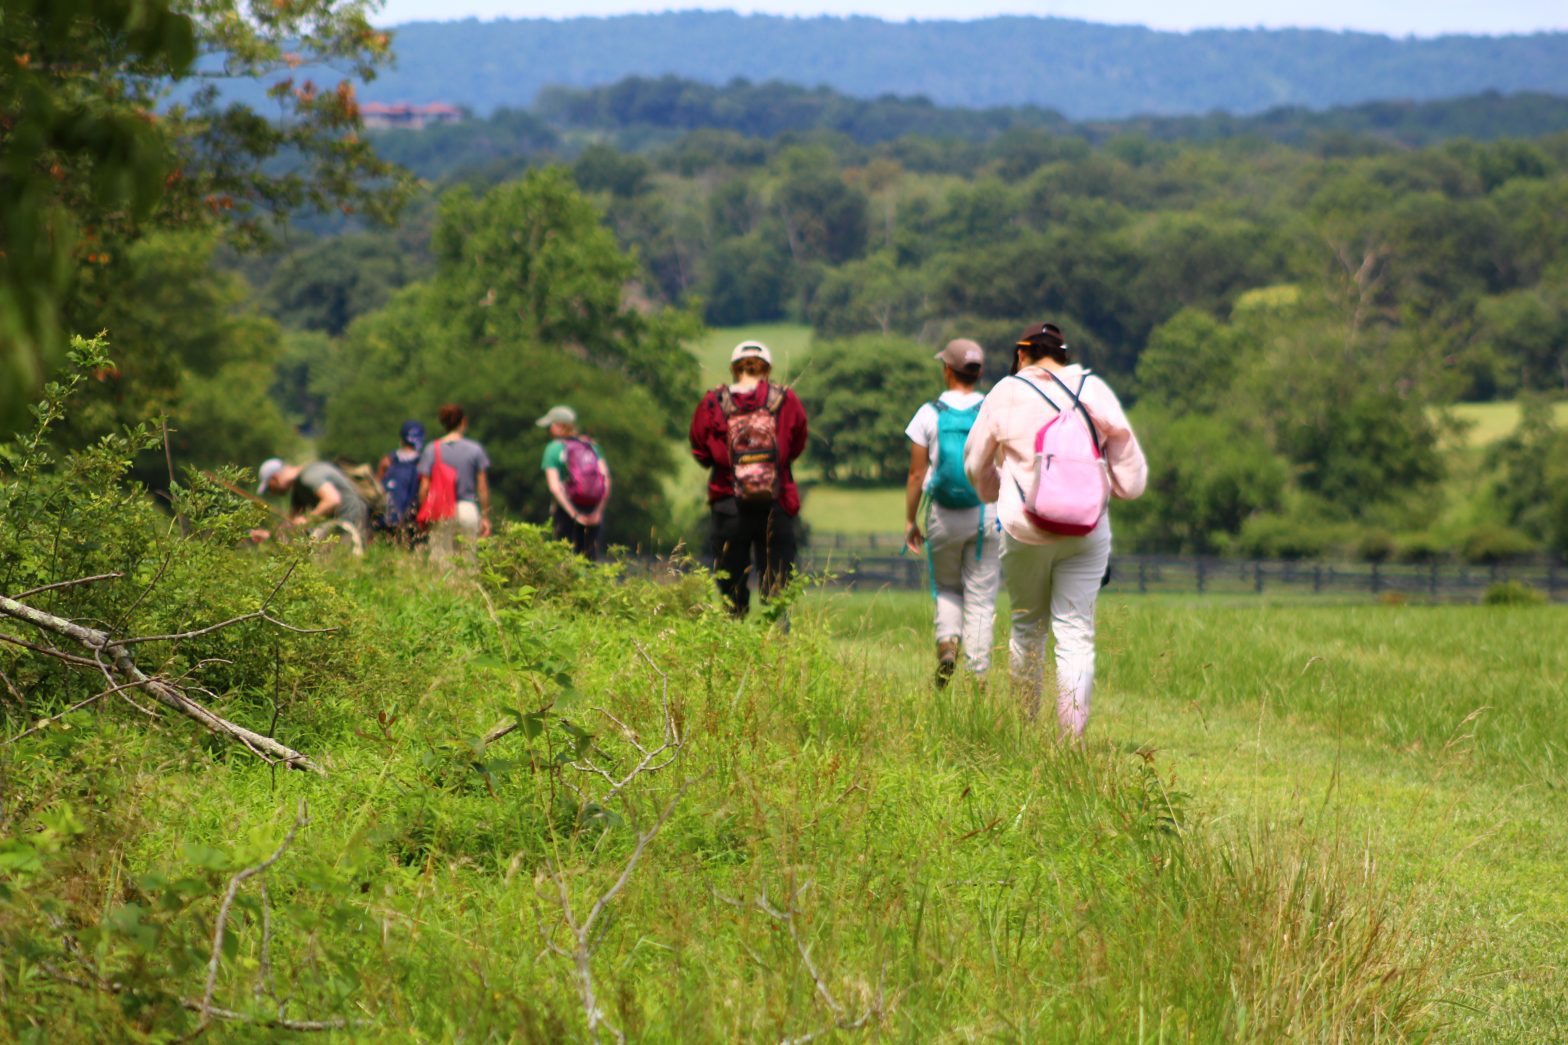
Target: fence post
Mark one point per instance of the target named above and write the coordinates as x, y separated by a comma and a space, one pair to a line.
1143, 577
1431, 581
1317, 578
1257, 577
1551, 579
1200, 576
1377, 580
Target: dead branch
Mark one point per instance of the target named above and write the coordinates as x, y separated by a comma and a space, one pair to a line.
842, 1021
582, 932
300, 820
68, 584
119, 663
50, 651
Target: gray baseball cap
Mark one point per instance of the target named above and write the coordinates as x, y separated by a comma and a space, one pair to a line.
558, 415
270, 467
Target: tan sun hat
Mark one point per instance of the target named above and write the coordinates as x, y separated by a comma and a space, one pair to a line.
962, 354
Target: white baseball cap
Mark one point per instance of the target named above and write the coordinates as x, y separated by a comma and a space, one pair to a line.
751, 350
270, 467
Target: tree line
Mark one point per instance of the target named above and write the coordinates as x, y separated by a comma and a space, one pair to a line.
1333, 294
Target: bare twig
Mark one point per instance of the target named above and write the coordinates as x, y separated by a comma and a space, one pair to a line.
50, 651
168, 460
78, 582
166, 693
649, 762
786, 917
16, 694
44, 723
582, 932
258, 614
300, 820
216, 1013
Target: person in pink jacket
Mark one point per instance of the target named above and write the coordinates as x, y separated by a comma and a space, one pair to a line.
1052, 581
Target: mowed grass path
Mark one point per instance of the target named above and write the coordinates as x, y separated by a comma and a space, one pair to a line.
1424, 743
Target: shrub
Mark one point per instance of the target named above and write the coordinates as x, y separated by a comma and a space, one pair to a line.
1286, 537
525, 565
1491, 542
1421, 546
1513, 593
1375, 545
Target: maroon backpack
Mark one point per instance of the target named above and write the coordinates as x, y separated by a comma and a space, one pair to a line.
584, 478
754, 444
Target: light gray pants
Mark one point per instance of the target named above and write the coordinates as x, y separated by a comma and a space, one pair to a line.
1056, 584
963, 549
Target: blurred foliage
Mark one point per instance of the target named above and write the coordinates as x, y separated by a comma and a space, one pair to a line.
529, 306
112, 124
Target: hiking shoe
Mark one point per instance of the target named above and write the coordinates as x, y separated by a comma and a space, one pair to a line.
946, 661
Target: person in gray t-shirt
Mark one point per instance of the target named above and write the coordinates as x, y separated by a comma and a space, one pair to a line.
472, 465
317, 491
320, 495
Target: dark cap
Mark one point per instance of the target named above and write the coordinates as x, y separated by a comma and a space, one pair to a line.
1047, 334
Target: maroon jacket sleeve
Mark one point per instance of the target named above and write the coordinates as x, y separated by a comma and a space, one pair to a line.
792, 421
708, 445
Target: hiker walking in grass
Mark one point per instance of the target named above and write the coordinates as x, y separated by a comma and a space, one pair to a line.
747, 434
320, 497
398, 473
960, 539
579, 481
1051, 446
454, 488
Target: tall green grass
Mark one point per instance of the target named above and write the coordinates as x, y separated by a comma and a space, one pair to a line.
849, 852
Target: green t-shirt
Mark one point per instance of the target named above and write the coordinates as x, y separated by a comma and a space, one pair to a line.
555, 457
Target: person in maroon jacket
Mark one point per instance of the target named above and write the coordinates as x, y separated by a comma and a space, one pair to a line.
747, 434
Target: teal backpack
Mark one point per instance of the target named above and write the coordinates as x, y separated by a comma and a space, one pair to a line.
950, 486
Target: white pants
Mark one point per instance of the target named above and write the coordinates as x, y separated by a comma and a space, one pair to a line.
963, 548
444, 534
1056, 584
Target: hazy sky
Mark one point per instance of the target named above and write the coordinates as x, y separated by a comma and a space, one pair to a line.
1397, 17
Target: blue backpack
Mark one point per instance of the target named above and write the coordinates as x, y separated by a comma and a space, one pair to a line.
402, 486
950, 487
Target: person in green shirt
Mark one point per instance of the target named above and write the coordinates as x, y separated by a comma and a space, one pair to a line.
579, 482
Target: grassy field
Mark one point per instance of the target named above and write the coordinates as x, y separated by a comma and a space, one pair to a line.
1420, 743
1305, 823
1489, 422
790, 344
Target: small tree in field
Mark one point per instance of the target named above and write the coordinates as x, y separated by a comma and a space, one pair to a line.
859, 395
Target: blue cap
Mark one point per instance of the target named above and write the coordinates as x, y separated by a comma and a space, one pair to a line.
413, 433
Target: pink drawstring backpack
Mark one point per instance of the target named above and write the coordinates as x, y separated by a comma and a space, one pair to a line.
1072, 483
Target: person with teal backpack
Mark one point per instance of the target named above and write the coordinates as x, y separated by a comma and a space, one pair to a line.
960, 539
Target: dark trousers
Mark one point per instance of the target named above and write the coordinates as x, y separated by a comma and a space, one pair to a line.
751, 541
583, 539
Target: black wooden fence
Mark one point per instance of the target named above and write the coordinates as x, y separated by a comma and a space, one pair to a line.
869, 566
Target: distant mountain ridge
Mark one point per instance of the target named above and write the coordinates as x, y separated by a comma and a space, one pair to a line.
1080, 69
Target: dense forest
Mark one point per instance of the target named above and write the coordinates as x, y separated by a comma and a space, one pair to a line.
1078, 68
1290, 310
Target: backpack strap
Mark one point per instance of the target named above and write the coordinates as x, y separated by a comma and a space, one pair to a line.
775, 398
1094, 431
726, 401
939, 406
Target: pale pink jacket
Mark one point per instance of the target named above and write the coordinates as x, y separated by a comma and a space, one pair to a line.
1004, 434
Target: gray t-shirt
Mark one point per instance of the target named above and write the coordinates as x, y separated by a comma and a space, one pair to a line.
306, 492
464, 455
